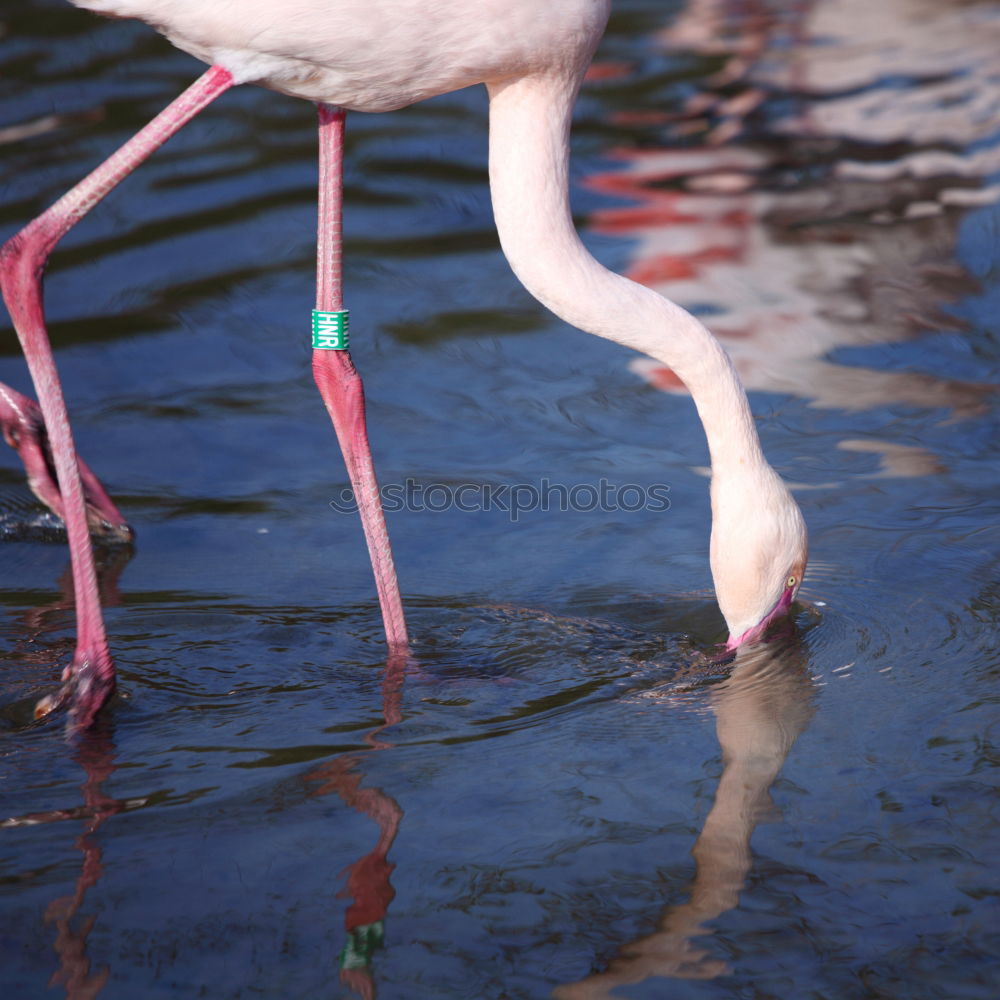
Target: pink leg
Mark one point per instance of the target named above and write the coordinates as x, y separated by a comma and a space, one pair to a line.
90, 679
24, 430
340, 385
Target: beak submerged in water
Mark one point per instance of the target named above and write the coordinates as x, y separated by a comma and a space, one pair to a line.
756, 631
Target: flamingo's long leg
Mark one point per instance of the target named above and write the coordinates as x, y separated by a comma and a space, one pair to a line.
340, 384
90, 679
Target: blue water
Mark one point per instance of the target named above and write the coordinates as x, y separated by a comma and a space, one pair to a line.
267, 809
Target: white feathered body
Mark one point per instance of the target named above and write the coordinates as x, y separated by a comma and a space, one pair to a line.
374, 55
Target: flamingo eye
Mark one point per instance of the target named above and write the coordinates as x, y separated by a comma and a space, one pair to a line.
790, 582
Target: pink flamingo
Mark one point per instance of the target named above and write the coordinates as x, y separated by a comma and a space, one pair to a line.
380, 56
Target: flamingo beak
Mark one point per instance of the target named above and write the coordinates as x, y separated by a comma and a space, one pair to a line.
755, 632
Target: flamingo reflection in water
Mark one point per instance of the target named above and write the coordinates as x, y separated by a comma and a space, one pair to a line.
367, 883
760, 708
801, 248
367, 879
96, 756
95, 753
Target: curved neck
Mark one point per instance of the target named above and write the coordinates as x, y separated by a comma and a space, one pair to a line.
529, 179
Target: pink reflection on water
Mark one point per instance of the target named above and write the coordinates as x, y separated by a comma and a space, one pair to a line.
819, 209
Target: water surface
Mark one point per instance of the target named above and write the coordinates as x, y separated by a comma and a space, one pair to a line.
564, 794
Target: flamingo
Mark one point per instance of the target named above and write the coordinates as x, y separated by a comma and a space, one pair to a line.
381, 55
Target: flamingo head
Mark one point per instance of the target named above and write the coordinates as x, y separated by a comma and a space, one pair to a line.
759, 550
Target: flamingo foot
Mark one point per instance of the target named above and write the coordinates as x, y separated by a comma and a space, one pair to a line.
24, 430
87, 683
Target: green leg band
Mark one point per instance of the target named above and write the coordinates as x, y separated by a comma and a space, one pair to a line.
361, 943
330, 330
